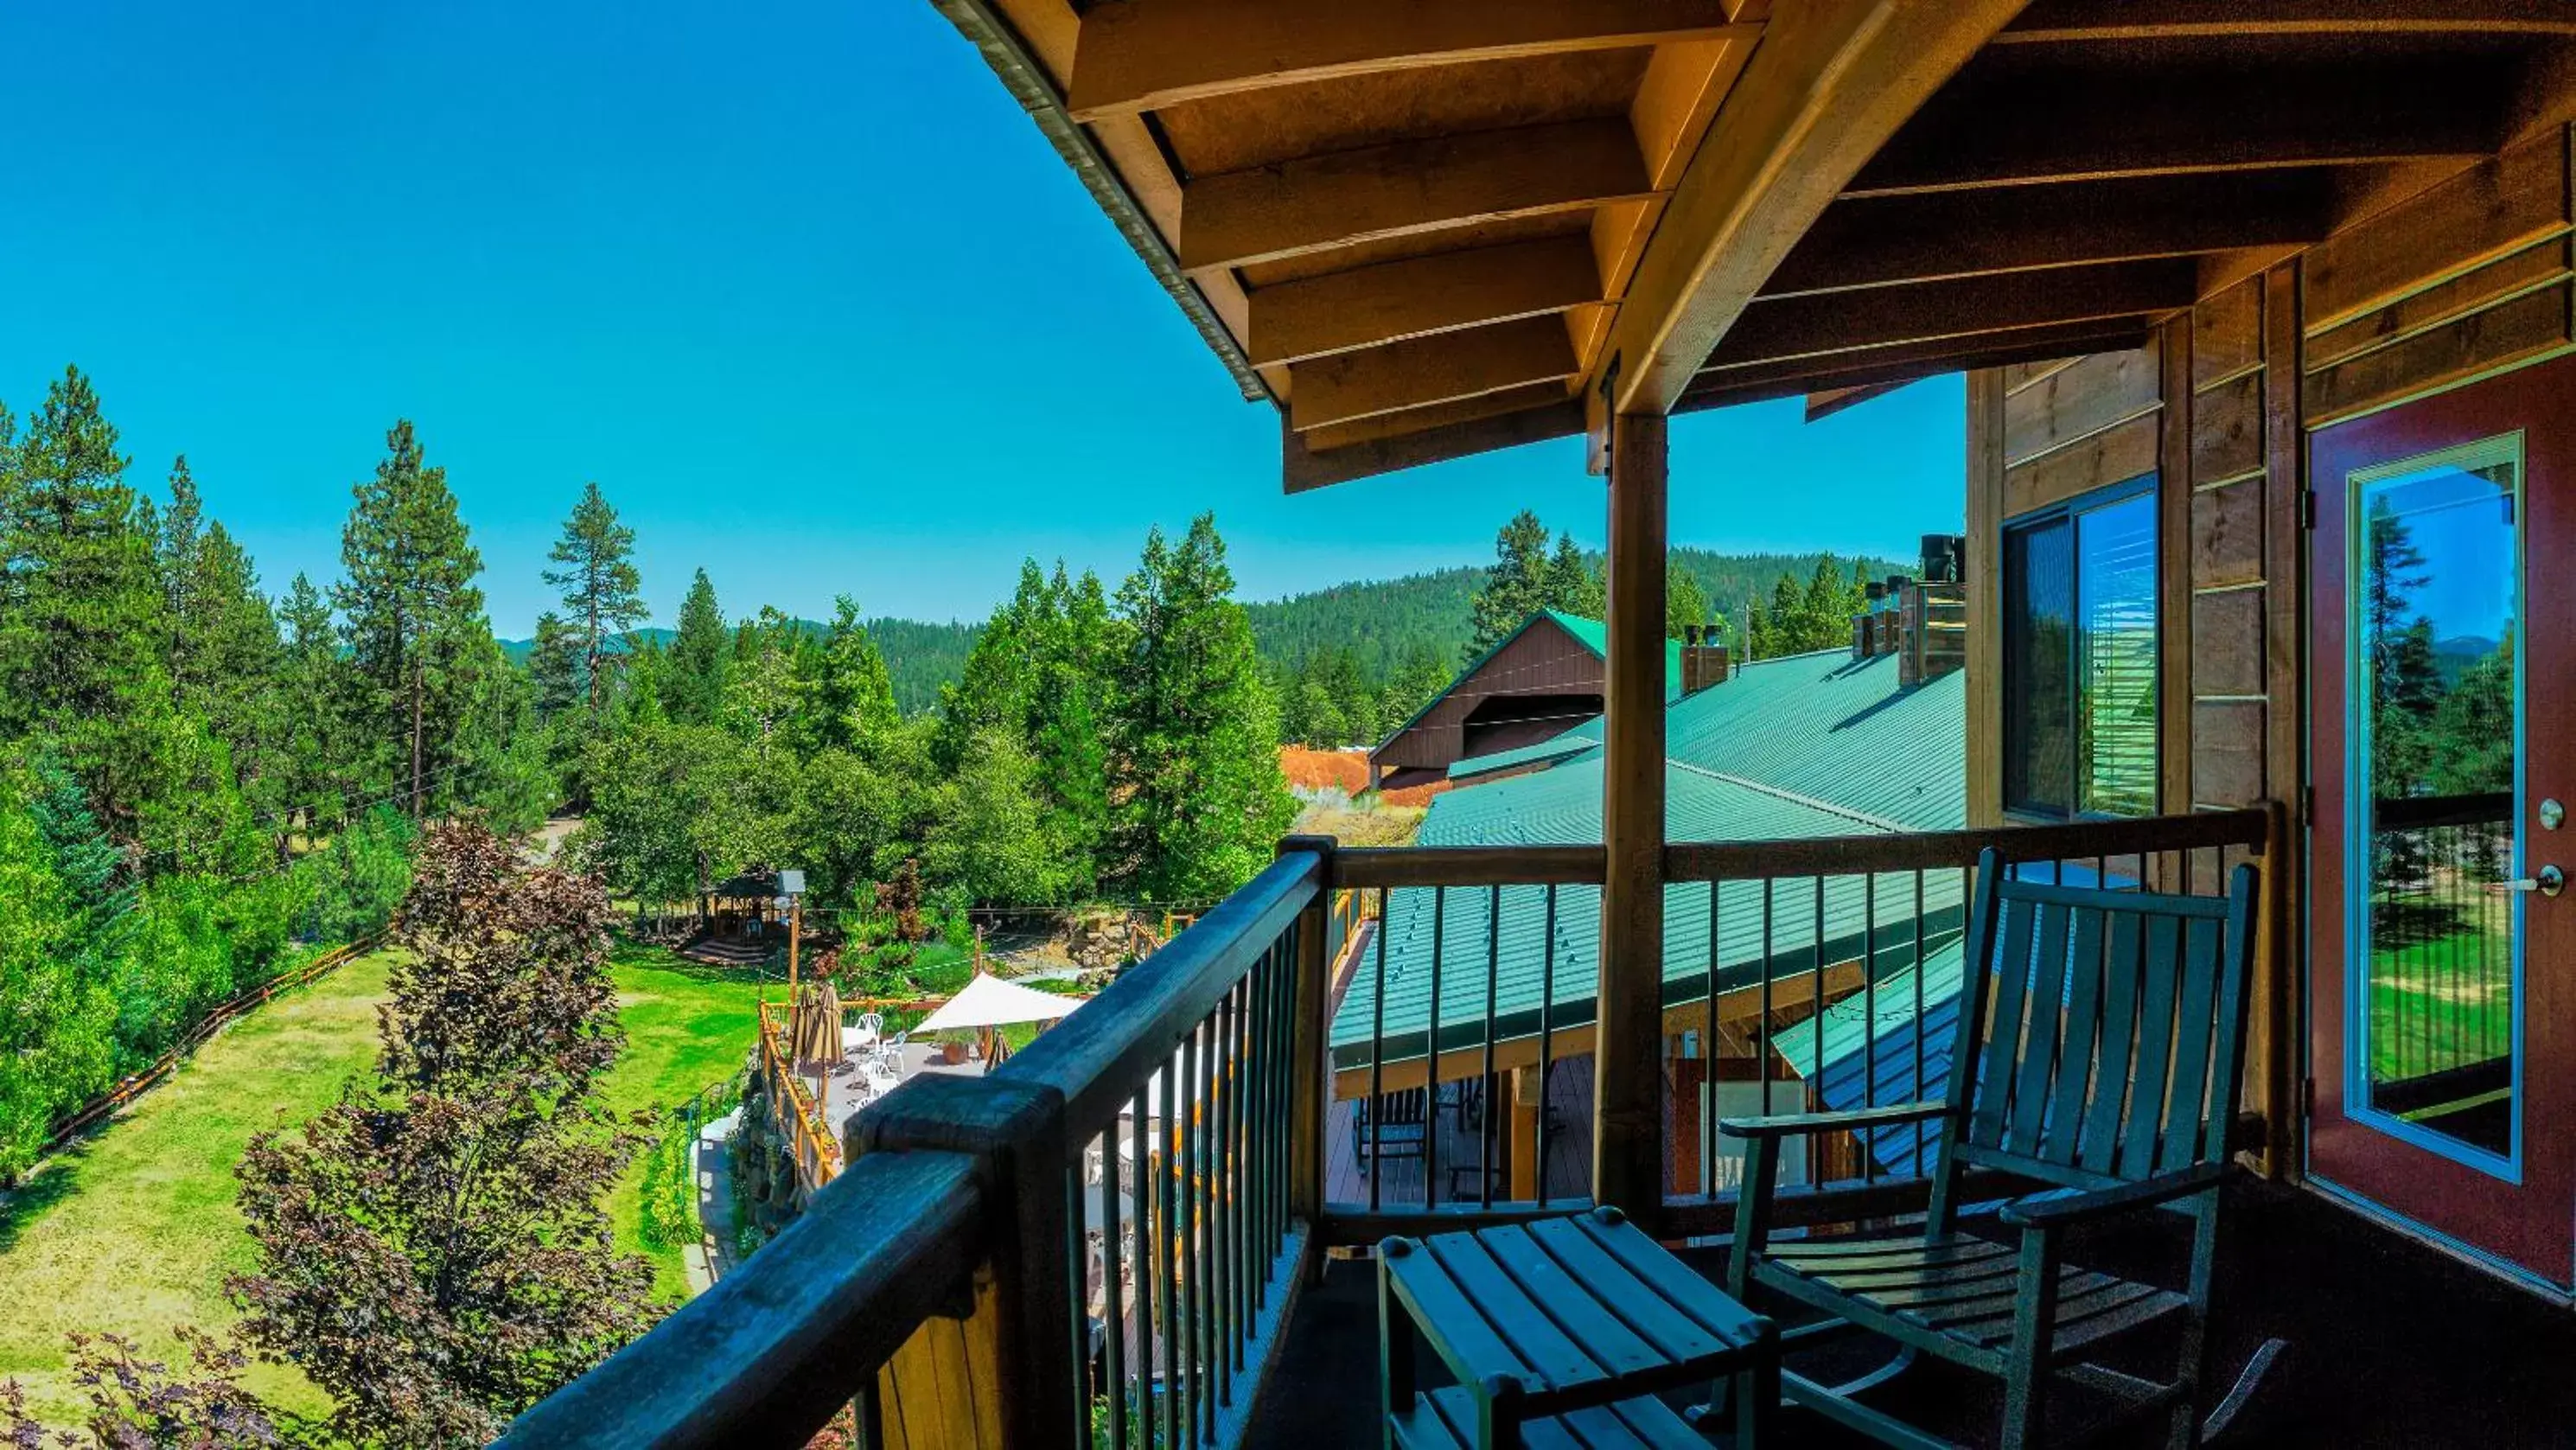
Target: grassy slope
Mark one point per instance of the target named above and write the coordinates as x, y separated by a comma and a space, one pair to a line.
134, 1230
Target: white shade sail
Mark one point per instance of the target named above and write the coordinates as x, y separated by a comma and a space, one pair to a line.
989, 1001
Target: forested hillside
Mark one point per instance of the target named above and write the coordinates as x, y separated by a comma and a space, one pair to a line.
1380, 621
919, 656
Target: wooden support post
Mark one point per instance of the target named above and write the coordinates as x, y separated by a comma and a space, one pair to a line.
1528, 1101
1628, 1077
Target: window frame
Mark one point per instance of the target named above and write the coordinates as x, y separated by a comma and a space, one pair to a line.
2068, 511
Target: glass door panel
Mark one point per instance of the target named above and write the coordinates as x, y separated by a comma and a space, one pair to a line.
2434, 680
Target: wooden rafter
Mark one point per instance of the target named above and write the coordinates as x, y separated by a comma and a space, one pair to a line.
1137, 55
2092, 114
1906, 362
2057, 22
1795, 327
1429, 370
1366, 306
1830, 82
1302, 468
1236, 218
1879, 241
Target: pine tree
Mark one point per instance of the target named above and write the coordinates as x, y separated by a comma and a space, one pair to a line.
854, 696
1573, 585
555, 666
1518, 584
410, 607
700, 659
1684, 604
1194, 768
313, 776
602, 591
83, 621
1000, 676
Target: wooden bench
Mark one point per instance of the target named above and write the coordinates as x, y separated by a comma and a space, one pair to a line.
1560, 1333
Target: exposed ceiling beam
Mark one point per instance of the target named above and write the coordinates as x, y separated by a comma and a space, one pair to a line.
1889, 367
1429, 370
1302, 468
1311, 205
1797, 327
2117, 114
1829, 83
1365, 306
1439, 415
2061, 21
1136, 55
1877, 241
1826, 402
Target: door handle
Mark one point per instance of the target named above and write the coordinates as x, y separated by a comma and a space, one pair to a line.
2549, 882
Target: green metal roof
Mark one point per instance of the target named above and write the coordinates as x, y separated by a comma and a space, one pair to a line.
1583, 737
1806, 746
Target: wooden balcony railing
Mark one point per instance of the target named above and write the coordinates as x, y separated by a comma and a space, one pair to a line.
1099, 1242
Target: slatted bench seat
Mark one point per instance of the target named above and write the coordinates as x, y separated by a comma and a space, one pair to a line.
1446, 1420
1560, 1333
1964, 1288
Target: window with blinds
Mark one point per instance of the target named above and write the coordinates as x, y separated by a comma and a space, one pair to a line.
2079, 628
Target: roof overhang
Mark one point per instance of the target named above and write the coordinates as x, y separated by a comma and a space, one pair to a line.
1435, 228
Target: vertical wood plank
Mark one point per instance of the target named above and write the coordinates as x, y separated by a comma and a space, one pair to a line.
1985, 467
1628, 1138
2127, 935
2275, 1023
2173, 565
2003, 1031
2038, 1063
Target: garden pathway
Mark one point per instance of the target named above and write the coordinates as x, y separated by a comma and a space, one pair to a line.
711, 1257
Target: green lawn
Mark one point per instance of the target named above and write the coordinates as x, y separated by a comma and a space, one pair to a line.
2443, 997
134, 1229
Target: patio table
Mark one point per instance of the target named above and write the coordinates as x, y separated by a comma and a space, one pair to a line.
1560, 1333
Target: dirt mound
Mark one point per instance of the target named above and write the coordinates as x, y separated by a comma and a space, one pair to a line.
1343, 770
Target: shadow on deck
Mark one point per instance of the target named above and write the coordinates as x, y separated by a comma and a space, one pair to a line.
2390, 1344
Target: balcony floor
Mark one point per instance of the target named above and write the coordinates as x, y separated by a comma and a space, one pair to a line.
2390, 1344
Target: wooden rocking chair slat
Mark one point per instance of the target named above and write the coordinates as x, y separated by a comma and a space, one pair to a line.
2063, 1131
2119, 1038
2109, 1064
2045, 1010
2155, 1053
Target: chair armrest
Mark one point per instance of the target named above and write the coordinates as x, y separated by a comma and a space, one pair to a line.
2060, 1208
1783, 1124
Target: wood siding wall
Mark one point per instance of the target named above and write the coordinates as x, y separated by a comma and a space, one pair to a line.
1542, 660
2467, 279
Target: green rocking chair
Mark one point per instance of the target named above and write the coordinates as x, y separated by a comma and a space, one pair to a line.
2100, 1047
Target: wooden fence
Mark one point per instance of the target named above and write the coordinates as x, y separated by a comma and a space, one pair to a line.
138, 1083
817, 1148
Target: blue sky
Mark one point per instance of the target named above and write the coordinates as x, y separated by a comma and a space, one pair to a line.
795, 281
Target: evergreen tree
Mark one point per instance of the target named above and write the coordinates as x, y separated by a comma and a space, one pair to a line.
410, 608
1065, 722
854, 696
225, 657
1000, 677
1199, 801
1518, 584
700, 659
1684, 604
1573, 585
313, 684
602, 591
555, 665
83, 622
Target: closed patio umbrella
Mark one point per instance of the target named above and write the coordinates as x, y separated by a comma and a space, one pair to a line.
816, 1039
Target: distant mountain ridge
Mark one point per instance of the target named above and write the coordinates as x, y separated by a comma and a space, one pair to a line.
920, 656
1378, 620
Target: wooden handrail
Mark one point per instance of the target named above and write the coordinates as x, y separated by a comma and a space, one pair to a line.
773, 1350
1930, 850
1392, 866
1098, 1057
